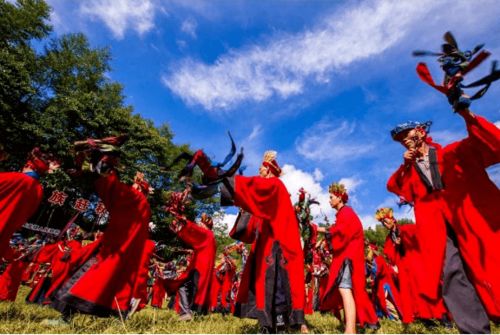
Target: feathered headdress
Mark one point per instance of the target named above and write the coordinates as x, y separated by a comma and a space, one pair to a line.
384, 213
339, 190
269, 161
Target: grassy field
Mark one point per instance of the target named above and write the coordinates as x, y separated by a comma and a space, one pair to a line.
20, 317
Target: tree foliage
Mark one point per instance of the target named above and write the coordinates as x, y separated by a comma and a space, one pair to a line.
55, 90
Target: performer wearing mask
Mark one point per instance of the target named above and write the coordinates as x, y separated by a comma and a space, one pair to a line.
456, 211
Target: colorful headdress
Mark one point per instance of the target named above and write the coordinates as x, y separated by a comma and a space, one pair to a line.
38, 161
340, 191
402, 127
384, 213
269, 161
207, 220
142, 183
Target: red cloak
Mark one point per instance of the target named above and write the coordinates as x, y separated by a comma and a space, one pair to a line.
406, 257
383, 284
275, 252
158, 292
10, 280
20, 196
141, 283
469, 203
104, 285
347, 241
61, 264
202, 241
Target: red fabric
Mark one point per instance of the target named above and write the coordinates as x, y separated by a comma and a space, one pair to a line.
347, 241
10, 280
469, 203
141, 283
158, 294
203, 243
61, 264
406, 257
20, 196
222, 283
109, 282
268, 200
383, 281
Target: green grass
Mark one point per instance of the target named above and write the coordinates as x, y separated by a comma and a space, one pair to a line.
22, 318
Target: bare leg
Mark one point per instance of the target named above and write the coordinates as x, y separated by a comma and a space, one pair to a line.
349, 310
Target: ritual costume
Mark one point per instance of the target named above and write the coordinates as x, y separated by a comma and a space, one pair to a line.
402, 251
61, 264
272, 284
458, 226
140, 292
158, 291
221, 284
10, 279
41, 281
20, 195
202, 241
104, 284
347, 270
384, 292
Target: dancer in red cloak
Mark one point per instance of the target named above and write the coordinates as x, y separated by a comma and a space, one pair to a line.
21, 194
272, 285
346, 281
456, 210
104, 284
10, 280
222, 282
158, 290
385, 294
402, 251
140, 292
202, 240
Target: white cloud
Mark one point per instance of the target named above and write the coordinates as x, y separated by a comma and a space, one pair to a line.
497, 124
294, 179
445, 137
189, 27
120, 15
229, 220
282, 65
318, 175
351, 183
256, 131
330, 141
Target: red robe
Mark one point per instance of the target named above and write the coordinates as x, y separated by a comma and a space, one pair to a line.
469, 203
277, 248
141, 283
61, 264
10, 280
347, 242
202, 241
221, 286
383, 284
42, 282
20, 196
407, 258
104, 285
158, 292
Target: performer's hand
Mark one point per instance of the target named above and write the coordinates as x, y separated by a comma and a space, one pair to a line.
410, 156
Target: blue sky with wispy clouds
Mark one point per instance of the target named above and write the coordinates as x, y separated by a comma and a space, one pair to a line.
321, 82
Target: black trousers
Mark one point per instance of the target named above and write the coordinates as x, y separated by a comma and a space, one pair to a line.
459, 293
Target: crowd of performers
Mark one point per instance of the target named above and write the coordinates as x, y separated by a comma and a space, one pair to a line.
444, 267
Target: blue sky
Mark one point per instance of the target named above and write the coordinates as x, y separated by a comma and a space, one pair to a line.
321, 82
